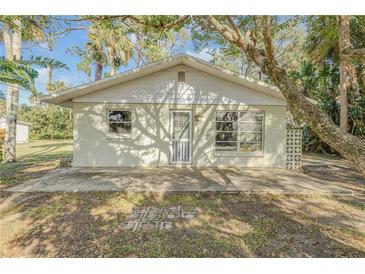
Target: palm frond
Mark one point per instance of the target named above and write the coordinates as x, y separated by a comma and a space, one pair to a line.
45, 62
9, 20
18, 73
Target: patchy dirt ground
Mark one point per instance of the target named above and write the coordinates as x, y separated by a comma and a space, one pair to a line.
34, 160
91, 225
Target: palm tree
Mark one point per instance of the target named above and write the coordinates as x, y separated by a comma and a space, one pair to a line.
153, 46
16, 73
12, 41
114, 40
95, 48
118, 46
50, 64
58, 86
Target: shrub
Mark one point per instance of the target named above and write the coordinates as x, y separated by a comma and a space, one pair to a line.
48, 122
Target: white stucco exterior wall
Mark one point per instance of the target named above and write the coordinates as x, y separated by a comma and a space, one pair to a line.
148, 145
150, 99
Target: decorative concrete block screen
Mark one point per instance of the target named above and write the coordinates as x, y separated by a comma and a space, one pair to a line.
294, 148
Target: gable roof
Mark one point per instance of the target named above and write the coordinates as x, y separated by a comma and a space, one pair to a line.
65, 97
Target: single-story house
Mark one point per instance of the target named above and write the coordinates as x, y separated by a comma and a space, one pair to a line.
22, 130
177, 111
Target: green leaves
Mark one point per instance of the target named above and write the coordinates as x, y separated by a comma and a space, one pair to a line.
323, 36
9, 20
51, 122
45, 62
22, 73
19, 73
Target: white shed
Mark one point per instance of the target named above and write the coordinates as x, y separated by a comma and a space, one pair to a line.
22, 130
177, 111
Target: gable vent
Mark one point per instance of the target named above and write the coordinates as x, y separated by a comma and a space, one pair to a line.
181, 76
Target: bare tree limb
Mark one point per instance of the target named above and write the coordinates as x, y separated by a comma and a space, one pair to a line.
92, 17
226, 32
67, 31
267, 38
234, 27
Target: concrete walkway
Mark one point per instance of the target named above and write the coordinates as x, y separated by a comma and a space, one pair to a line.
318, 176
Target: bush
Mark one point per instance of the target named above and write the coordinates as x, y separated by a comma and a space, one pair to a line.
48, 122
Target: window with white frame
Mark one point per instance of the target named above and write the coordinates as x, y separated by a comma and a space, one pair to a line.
239, 131
119, 121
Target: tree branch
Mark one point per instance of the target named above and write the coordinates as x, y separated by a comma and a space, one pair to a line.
356, 54
234, 27
177, 22
67, 31
267, 38
226, 32
124, 17
92, 17
160, 27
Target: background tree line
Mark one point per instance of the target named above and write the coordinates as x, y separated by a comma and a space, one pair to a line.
48, 122
51, 122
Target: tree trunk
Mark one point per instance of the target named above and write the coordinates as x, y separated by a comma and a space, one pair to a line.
345, 47
89, 73
138, 49
349, 146
8, 149
343, 96
50, 78
110, 56
8, 43
98, 71
13, 52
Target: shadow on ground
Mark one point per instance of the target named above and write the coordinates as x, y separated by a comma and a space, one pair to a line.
90, 225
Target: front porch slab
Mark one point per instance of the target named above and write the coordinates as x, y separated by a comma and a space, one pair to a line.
319, 176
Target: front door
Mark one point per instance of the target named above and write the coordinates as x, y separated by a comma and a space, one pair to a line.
180, 144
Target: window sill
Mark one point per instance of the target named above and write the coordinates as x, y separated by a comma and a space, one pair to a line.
119, 136
239, 154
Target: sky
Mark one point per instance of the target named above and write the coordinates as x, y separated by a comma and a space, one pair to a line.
73, 77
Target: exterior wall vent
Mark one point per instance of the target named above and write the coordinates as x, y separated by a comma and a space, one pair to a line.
181, 76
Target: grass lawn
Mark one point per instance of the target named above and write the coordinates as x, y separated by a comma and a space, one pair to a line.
34, 159
241, 225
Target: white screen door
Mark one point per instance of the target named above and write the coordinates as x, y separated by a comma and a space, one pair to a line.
180, 151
